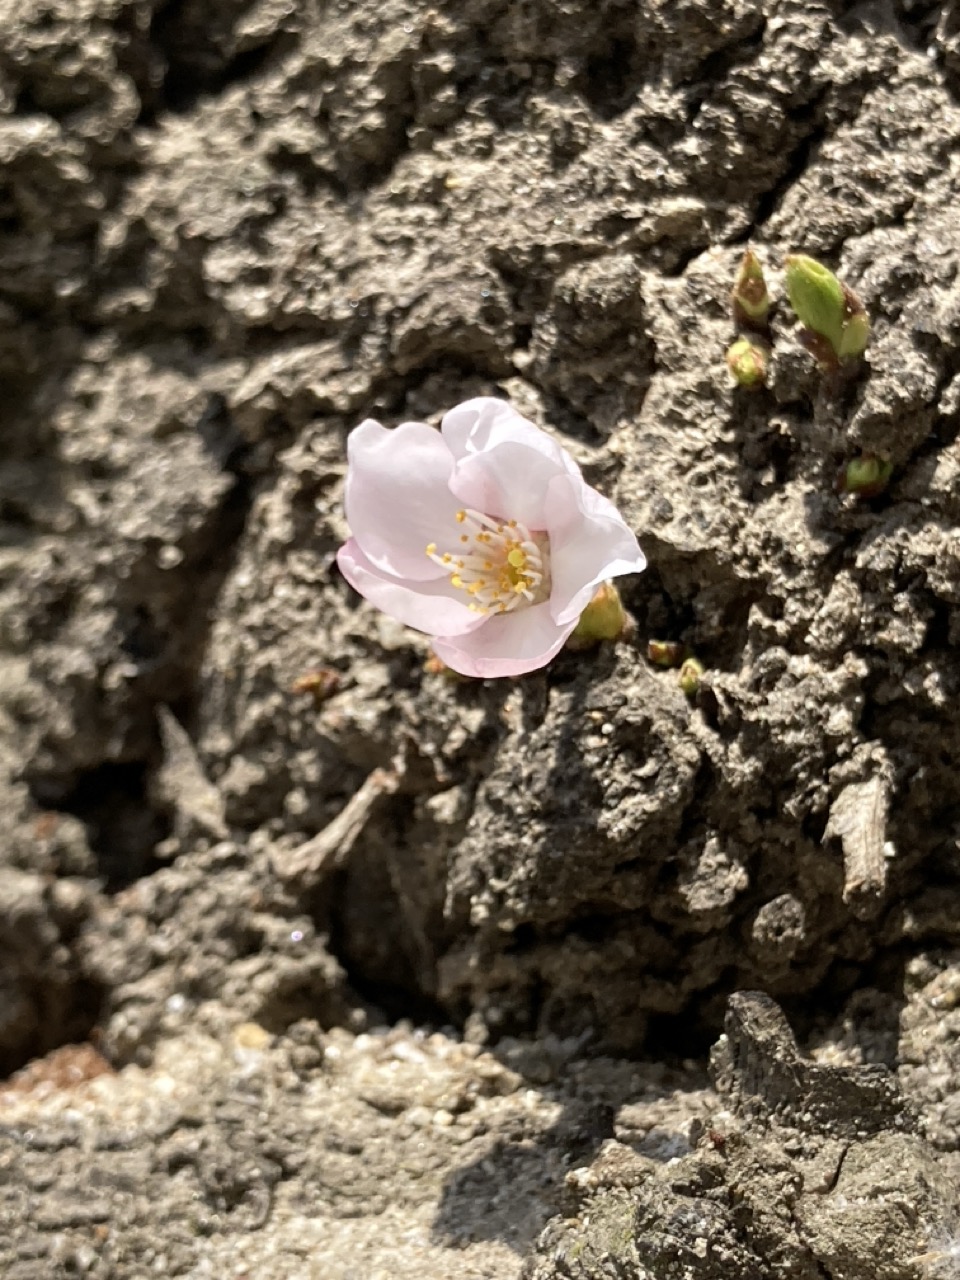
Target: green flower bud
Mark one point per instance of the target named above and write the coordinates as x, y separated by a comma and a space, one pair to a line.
866, 476
665, 653
747, 361
816, 296
604, 618
751, 301
836, 325
690, 676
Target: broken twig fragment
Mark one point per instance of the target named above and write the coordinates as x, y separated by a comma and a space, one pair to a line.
327, 851
858, 818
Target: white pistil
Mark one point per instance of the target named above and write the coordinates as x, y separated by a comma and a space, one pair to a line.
499, 563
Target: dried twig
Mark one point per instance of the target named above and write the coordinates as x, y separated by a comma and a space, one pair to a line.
858, 818
327, 851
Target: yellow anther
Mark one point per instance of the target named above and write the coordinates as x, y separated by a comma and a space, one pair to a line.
501, 565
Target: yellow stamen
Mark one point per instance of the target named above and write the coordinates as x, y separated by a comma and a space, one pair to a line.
503, 565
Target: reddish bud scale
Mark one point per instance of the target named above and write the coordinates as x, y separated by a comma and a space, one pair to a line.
321, 684
750, 299
666, 653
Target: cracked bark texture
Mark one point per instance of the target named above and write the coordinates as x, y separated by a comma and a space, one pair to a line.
229, 229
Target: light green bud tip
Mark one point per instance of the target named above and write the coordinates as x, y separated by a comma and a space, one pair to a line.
866, 476
751, 302
690, 676
747, 362
856, 334
604, 618
816, 296
826, 308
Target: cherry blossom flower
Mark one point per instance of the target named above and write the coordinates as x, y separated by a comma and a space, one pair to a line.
483, 534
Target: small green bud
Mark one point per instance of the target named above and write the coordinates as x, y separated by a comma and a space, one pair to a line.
866, 476
747, 361
604, 618
816, 296
690, 675
751, 301
665, 653
836, 324
856, 332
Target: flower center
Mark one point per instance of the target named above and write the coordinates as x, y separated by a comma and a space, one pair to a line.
500, 563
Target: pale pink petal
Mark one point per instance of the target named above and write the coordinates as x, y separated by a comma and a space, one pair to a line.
485, 422
509, 481
398, 497
589, 543
504, 464
434, 607
507, 644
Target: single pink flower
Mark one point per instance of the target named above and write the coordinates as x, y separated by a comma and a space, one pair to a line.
483, 534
